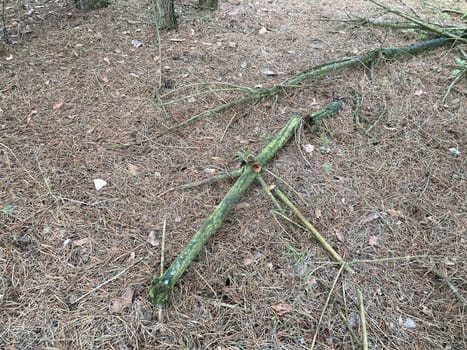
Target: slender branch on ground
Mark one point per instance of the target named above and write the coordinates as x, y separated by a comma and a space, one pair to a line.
267, 189
162, 261
106, 282
349, 328
459, 75
232, 174
362, 320
161, 286
314, 72
312, 230
315, 336
423, 25
451, 286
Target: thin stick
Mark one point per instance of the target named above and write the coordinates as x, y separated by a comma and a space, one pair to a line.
268, 192
215, 179
362, 320
451, 286
313, 230
162, 262
349, 327
422, 24
326, 305
107, 281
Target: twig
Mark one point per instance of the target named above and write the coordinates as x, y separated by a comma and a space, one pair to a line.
422, 24
231, 174
278, 178
106, 282
451, 286
349, 327
267, 190
326, 305
459, 76
162, 262
362, 320
312, 229
396, 258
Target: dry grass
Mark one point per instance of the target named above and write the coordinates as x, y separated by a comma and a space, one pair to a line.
75, 86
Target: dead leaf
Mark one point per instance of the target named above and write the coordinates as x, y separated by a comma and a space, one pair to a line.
209, 171
419, 93
371, 217
57, 105
117, 305
393, 212
248, 261
99, 183
80, 242
373, 240
340, 235
318, 213
243, 205
282, 309
133, 169
152, 239
308, 148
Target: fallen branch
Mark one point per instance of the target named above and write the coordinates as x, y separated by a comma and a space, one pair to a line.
314, 72
161, 286
423, 25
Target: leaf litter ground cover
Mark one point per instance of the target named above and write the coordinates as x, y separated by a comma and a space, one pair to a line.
379, 181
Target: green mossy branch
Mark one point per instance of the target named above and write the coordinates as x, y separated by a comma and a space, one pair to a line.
161, 286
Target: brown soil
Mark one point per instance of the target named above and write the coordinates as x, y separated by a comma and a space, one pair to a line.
72, 85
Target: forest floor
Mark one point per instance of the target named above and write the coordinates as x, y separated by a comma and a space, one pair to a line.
384, 181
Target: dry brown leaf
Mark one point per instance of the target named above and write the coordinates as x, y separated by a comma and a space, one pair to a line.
318, 213
419, 93
133, 169
248, 261
394, 212
57, 105
243, 205
80, 242
152, 239
373, 240
117, 305
282, 309
340, 235
308, 148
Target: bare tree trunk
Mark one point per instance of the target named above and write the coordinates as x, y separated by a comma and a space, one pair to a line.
208, 4
165, 14
91, 4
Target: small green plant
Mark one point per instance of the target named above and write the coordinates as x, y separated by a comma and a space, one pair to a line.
325, 144
458, 73
7, 210
327, 167
422, 36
